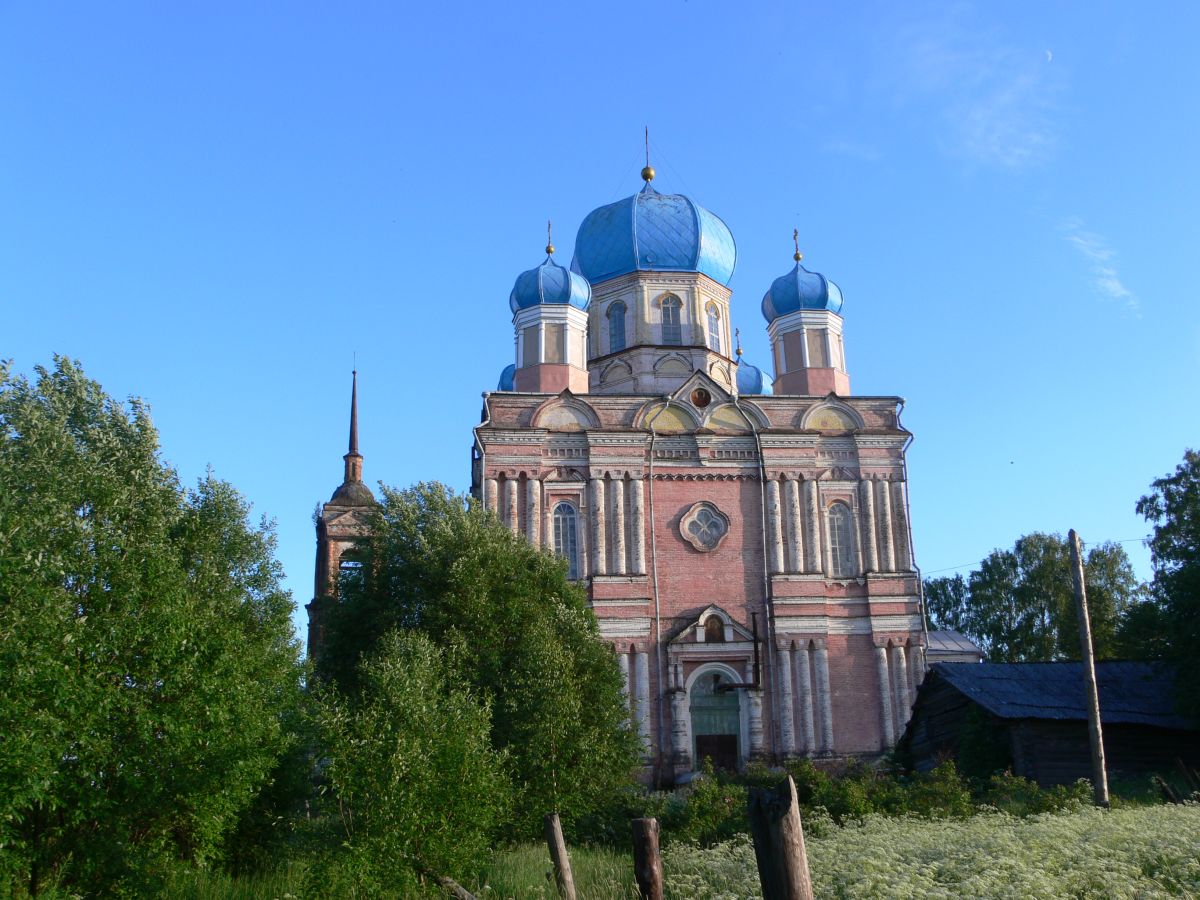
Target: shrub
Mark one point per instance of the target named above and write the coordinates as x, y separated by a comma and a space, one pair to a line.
415, 786
711, 810
1019, 796
940, 794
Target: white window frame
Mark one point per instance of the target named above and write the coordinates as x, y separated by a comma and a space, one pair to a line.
565, 520
672, 331
616, 312
841, 540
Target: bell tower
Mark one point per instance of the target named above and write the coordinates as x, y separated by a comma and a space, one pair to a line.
340, 522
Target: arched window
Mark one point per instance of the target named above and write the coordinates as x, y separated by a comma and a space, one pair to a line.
349, 569
714, 329
671, 332
616, 327
566, 543
841, 541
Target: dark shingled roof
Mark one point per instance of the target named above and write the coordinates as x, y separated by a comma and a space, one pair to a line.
352, 493
1130, 692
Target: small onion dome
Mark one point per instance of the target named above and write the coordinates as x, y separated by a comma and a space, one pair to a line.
353, 493
549, 283
800, 289
653, 232
750, 380
506, 377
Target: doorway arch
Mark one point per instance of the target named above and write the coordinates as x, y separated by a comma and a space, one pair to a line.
716, 717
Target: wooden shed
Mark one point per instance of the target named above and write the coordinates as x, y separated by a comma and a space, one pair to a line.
1031, 717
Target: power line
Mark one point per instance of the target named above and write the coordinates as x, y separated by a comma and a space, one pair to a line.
1137, 540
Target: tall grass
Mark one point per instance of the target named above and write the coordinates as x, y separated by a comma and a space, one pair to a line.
203, 884
1142, 852
526, 872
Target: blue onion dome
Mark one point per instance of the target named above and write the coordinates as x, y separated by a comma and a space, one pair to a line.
800, 289
751, 380
653, 232
506, 377
549, 283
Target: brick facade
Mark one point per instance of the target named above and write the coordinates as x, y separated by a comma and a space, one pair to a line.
631, 488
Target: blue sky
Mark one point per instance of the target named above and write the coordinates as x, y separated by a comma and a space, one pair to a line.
216, 206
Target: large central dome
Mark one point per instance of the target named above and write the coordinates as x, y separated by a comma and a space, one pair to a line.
653, 232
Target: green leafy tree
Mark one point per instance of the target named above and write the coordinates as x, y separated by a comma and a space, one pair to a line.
1019, 605
416, 787
1173, 508
146, 653
441, 564
946, 601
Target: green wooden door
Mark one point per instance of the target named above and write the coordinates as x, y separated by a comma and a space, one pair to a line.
716, 722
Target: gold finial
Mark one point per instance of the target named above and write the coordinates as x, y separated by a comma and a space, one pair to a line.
797, 256
648, 172
737, 336
549, 240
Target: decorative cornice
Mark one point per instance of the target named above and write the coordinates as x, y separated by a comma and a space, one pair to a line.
843, 625
705, 476
634, 627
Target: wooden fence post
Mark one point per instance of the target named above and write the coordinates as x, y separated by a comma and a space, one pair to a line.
558, 854
779, 843
647, 863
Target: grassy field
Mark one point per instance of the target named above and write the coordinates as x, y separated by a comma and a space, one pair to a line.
1144, 852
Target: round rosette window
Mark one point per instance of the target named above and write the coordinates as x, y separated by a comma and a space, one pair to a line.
704, 526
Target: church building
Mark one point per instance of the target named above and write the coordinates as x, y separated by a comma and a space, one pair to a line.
744, 542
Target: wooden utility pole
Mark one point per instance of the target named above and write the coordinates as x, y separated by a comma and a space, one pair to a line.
558, 854
1095, 734
647, 863
779, 843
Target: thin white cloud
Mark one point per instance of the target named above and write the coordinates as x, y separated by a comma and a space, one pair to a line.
854, 150
995, 102
1102, 257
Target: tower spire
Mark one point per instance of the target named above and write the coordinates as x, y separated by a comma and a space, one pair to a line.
648, 172
797, 256
353, 458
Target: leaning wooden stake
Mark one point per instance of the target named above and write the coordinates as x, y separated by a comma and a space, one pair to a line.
457, 891
558, 853
779, 843
647, 863
1099, 774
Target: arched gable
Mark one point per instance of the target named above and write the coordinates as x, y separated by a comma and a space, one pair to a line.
617, 371
565, 413
673, 364
666, 417
831, 415
744, 417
